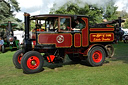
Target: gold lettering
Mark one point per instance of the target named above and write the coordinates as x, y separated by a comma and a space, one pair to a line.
108, 35
96, 39
101, 37
93, 35
106, 39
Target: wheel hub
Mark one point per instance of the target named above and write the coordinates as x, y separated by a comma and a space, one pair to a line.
20, 57
97, 56
33, 62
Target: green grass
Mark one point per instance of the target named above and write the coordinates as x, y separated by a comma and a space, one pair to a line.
113, 72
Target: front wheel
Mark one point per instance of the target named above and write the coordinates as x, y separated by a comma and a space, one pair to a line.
17, 58
32, 62
96, 56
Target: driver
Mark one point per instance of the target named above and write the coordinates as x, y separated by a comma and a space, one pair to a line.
79, 26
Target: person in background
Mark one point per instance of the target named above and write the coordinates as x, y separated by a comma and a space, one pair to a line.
1, 42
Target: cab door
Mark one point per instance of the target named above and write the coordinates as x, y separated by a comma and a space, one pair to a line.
64, 37
61, 37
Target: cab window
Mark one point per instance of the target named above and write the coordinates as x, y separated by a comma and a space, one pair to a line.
64, 24
51, 24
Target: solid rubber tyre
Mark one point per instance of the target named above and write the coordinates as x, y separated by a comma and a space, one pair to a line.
27, 62
17, 58
96, 56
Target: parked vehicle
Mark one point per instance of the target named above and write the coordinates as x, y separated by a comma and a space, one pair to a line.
92, 43
125, 36
10, 41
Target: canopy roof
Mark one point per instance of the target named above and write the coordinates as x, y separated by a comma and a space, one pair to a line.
45, 16
6, 24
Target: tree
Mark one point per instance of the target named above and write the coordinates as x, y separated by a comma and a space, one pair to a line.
92, 11
32, 25
126, 23
95, 13
110, 11
7, 7
124, 15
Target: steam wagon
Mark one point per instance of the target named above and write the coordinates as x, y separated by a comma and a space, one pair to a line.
10, 41
58, 38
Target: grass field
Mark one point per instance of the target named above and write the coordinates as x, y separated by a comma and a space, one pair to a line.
113, 72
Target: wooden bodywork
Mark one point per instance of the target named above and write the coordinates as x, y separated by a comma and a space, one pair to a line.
68, 40
71, 39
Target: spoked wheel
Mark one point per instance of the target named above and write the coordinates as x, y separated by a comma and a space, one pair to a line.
32, 62
17, 58
96, 56
110, 50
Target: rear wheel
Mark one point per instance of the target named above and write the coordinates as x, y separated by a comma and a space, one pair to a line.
96, 56
17, 58
32, 62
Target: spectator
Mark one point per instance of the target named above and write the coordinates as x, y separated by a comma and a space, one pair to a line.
1, 42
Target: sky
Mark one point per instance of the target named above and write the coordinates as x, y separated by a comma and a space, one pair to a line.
36, 7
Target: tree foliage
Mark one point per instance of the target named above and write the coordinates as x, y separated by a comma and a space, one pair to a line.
94, 12
32, 25
124, 15
126, 23
7, 8
110, 11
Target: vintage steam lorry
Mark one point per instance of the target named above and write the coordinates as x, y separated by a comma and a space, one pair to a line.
92, 44
10, 41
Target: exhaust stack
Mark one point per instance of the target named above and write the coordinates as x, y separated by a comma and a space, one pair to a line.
27, 23
27, 45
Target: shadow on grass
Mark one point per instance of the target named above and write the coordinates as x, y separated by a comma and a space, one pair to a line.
67, 61
121, 52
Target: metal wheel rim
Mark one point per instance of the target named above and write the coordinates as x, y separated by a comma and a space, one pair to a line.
97, 56
33, 62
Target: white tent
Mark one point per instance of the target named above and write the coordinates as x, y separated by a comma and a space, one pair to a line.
19, 35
